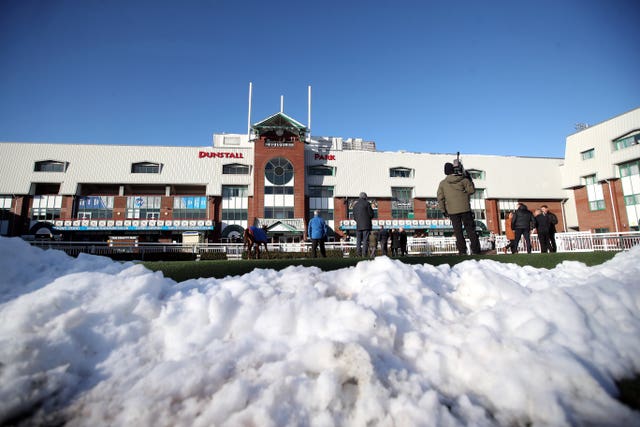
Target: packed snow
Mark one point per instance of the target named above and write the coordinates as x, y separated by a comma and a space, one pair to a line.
88, 341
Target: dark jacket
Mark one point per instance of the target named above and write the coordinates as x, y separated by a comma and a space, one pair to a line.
553, 219
395, 239
362, 214
454, 193
522, 219
403, 239
383, 235
543, 223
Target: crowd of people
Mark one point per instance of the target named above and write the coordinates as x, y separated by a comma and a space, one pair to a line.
454, 200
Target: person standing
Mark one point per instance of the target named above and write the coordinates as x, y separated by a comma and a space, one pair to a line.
395, 241
383, 238
509, 233
454, 195
403, 242
543, 226
373, 244
317, 231
362, 214
553, 221
522, 223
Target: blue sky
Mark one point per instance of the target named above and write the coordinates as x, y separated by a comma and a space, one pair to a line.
483, 77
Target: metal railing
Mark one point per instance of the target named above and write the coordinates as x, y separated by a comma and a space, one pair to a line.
566, 242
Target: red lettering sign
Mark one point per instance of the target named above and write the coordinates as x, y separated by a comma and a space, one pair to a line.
324, 157
220, 155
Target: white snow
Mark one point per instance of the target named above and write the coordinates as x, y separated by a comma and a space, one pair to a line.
89, 342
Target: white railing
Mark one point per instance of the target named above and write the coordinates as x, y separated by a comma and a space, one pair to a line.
565, 242
578, 241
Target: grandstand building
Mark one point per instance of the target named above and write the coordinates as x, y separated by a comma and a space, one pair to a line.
277, 175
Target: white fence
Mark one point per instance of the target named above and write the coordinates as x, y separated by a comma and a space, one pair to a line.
566, 242
579, 241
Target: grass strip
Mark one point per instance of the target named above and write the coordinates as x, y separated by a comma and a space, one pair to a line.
185, 270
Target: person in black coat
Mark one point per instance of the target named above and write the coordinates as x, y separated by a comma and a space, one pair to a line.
553, 221
362, 214
383, 238
522, 224
543, 225
395, 242
403, 242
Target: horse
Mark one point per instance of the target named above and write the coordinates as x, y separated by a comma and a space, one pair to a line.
254, 237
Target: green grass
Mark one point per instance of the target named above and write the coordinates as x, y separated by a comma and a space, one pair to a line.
185, 270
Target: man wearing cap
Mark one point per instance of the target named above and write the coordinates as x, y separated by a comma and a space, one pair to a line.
362, 214
454, 194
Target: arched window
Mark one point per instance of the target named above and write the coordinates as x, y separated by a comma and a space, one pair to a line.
146, 167
50, 166
401, 172
279, 171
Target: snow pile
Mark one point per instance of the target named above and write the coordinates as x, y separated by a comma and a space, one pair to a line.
89, 341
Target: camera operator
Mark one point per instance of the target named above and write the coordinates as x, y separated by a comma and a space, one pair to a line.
454, 194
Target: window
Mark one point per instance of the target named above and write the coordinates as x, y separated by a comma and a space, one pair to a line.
320, 191
594, 193
146, 167
279, 212
190, 207
401, 173
50, 166
628, 140
433, 211
321, 199
601, 230
326, 214
321, 170
269, 189
46, 207
588, 154
234, 203
236, 169
143, 207
100, 207
506, 206
476, 174
630, 179
402, 202
279, 171
477, 204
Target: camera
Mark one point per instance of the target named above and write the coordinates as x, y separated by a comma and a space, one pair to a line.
458, 169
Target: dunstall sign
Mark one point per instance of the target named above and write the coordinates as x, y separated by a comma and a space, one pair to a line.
220, 155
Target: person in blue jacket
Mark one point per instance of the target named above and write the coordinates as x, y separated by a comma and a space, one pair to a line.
317, 232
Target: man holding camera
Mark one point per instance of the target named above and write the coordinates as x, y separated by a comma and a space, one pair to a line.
454, 195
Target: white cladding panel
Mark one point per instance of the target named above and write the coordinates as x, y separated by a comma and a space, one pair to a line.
112, 164
600, 138
505, 177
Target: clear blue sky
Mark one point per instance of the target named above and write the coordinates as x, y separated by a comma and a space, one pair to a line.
485, 77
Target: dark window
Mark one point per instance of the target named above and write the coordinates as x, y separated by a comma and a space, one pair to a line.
400, 172
322, 170
235, 169
146, 167
50, 166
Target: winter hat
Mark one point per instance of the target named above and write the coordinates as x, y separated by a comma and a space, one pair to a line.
363, 195
448, 168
